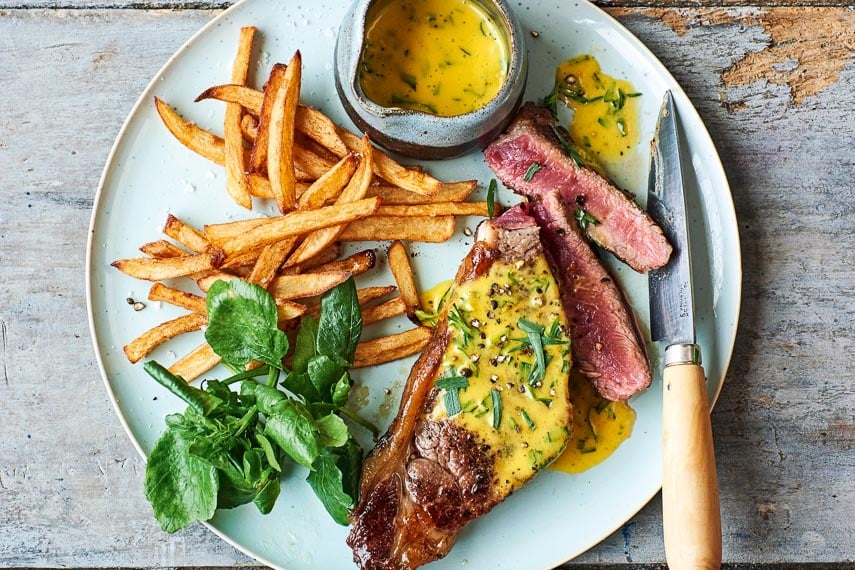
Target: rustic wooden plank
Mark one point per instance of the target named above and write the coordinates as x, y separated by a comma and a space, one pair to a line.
69, 478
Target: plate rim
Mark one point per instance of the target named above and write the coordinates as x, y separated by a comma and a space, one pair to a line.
726, 208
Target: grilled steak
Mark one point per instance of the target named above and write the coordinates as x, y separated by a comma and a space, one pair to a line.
623, 228
606, 347
485, 407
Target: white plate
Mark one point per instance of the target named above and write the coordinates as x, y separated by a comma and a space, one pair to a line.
148, 173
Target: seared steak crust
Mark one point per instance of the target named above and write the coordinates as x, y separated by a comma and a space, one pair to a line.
605, 343
623, 228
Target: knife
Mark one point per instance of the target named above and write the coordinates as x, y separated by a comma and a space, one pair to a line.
690, 505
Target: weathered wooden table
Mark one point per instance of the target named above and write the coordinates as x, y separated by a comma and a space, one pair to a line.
774, 82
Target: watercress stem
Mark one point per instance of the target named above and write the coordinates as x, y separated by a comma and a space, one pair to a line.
246, 420
244, 374
272, 377
360, 420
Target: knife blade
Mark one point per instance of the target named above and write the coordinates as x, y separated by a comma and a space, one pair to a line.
690, 505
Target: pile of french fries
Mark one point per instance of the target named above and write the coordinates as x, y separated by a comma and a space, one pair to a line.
330, 185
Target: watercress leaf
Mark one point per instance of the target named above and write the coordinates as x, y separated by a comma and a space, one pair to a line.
326, 481
332, 431
243, 324
341, 389
340, 322
324, 372
266, 398
291, 427
349, 462
212, 449
201, 401
299, 383
304, 346
180, 487
234, 489
252, 465
266, 497
269, 452
321, 409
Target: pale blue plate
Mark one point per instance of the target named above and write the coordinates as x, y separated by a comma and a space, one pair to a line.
148, 173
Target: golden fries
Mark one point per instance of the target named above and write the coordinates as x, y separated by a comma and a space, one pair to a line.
189, 301
437, 209
353, 192
416, 228
389, 309
330, 186
299, 222
450, 192
148, 341
236, 183
196, 363
389, 348
158, 269
186, 235
280, 147
402, 271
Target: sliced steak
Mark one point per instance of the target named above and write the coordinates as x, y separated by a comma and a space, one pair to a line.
437, 469
606, 346
623, 228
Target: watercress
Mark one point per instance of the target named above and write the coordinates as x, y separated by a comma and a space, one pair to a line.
228, 447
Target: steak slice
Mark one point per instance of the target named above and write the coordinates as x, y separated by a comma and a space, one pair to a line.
606, 346
623, 228
477, 420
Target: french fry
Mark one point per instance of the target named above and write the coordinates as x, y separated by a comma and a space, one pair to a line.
354, 191
197, 362
306, 285
390, 171
438, 209
417, 228
204, 282
329, 186
450, 192
288, 310
269, 261
311, 122
300, 222
280, 148
193, 137
313, 164
389, 348
189, 301
186, 235
218, 234
258, 157
389, 309
236, 184
162, 248
249, 128
148, 341
326, 256
355, 264
402, 271
154, 269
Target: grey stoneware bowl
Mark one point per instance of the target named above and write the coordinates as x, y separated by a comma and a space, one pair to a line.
414, 133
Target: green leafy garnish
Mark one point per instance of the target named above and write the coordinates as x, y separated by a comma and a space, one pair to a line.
228, 448
458, 321
492, 189
452, 383
527, 420
497, 407
585, 219
568, 147
243, 324
532, 170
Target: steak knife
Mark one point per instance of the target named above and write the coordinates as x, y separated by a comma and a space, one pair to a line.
690, 504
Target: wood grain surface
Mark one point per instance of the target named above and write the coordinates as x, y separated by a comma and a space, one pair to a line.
774, 86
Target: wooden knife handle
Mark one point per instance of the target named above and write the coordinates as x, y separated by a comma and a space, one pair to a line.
690, 507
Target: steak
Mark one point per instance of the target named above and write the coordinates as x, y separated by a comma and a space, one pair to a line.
485, 407
621, 226
606, 346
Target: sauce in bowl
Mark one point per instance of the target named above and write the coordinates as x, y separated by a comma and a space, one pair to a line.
441, 57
